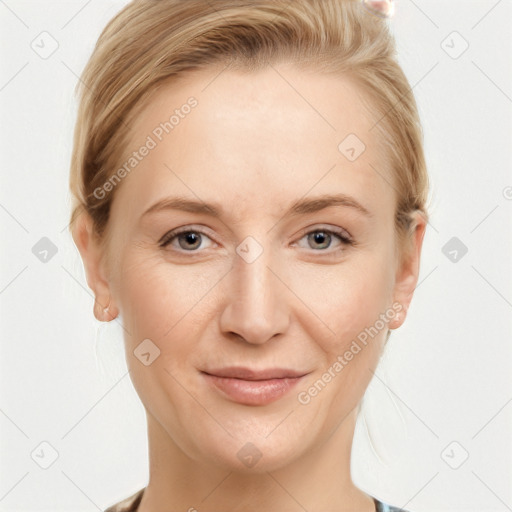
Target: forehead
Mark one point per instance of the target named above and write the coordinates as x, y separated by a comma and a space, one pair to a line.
254, 139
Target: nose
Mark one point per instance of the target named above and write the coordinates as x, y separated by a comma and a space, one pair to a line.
255, 307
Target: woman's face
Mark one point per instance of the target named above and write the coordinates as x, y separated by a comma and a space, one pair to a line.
246, 331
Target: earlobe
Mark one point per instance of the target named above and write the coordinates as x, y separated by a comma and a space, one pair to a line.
398, 320
104, 313
91, 253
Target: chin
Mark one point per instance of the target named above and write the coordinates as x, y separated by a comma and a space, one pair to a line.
252, 457
255, 446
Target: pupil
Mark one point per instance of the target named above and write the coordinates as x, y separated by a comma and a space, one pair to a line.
190, 238
320, 237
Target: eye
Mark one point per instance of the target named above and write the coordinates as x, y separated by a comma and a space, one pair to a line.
321, 239
188, 240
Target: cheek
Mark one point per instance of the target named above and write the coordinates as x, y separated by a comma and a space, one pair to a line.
164, 302
350, 298
347, 298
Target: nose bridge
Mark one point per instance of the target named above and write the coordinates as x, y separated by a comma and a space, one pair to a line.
256, 308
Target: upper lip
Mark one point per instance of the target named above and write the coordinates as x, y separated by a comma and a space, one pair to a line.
238, 372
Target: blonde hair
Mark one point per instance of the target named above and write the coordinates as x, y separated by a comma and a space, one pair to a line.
152, 41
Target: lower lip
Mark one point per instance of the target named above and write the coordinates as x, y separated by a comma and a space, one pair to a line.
252, 392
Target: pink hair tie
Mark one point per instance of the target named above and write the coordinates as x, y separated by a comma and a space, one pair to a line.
383, 8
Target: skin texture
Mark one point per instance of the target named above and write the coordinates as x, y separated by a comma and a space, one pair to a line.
253, 145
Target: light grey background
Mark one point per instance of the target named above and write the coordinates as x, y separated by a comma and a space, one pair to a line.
443, 390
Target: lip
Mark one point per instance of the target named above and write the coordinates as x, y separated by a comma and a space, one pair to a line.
253, 387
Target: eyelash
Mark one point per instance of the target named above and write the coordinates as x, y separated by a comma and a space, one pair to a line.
340, 234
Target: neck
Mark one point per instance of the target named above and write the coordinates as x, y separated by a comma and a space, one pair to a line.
320, 480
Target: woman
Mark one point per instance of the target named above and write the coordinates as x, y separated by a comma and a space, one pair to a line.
250, 190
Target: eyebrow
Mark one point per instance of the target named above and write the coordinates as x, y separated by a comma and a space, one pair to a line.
299, 207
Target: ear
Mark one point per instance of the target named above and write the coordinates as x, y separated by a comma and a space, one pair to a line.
93, 256
408, 271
